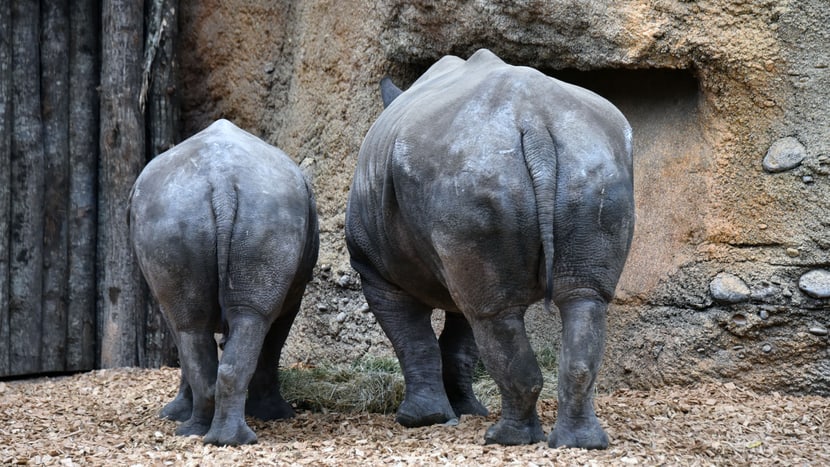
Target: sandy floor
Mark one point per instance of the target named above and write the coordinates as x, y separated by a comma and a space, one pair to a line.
109, 418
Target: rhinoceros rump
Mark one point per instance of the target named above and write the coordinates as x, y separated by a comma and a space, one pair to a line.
480, 190
225, 230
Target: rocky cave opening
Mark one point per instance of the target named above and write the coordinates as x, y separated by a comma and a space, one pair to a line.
672, 154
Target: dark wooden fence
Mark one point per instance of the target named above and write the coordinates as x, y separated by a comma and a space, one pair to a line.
87, 94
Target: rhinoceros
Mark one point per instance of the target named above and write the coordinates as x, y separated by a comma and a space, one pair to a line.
224, 227
480, 190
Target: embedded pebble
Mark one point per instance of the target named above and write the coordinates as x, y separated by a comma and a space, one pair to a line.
766, 348
784, 154
340, 317
764, 293
793, 252
729, 288
815, 283
364, 308
344, 280
818, 330
764, 315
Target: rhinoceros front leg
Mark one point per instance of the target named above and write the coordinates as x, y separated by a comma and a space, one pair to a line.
247, 330
508, 357
583, 342
265, 400
181, 407
459, 357
407, 324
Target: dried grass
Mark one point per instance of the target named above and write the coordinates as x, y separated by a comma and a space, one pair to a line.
372, 385
108, 417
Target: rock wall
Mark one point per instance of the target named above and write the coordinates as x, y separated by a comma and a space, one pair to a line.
727, 278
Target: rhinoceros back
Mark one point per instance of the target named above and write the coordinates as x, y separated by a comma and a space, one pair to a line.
226, 205
488, 133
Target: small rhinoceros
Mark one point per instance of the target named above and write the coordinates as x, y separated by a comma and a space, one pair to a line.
225, 230
480, 190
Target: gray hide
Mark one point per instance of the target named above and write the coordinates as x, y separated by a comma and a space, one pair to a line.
480, 190
225, 230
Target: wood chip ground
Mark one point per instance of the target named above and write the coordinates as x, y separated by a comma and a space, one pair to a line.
108, 417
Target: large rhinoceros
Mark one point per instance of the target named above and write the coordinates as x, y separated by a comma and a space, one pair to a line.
480, 190
225, 230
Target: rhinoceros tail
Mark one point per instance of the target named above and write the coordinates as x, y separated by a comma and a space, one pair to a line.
540, 157
224, 200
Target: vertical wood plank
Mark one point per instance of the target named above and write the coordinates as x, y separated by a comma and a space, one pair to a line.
54, 85
5, 179
163, 107
163, 134
83, 166
121, 301
27, 169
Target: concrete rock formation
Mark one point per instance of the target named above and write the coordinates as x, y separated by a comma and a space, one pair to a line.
709, 87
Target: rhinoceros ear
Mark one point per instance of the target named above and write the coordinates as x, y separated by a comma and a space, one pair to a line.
388, 91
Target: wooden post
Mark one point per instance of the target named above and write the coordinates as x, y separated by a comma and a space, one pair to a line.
120, 298
162, 134
54, 85
83, 167
5, 178
27, 179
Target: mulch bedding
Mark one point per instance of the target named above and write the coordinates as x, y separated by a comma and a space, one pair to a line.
109, 417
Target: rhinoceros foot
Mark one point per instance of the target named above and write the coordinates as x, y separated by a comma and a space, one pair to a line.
578, 433
193, 426
179, 409
272, 408
232, 433
469, 406
418, 411
512, 432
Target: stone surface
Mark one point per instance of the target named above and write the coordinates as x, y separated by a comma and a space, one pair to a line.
785, 154
729, 288
815, 283
708, 87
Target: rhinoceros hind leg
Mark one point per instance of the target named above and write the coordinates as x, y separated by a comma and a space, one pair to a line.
407, 324
265, 401
508, 357
239, 360
583, 337
198, 357
459, 357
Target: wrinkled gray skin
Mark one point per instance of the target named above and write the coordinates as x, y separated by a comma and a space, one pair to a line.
225, 230
480, 190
